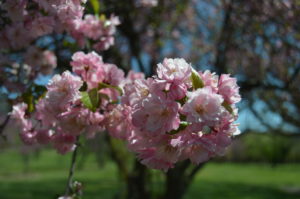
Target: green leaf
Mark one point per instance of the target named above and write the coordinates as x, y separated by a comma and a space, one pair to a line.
181, 127
196, 80
227, 107
104, 96
28, 99
103, 85
91, 99
96, 6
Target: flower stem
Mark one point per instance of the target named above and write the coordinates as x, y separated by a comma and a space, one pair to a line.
69, 187
3, 125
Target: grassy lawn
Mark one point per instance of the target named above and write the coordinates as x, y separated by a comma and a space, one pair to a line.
44, 177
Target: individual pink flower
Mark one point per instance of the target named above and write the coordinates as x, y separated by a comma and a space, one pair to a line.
94, 122
89, 67
28, 137
68, 12
104, 43
91, 27
19, 111
148, 158
167, 90
78, 120
156, 115
176, 71
41, 25
204, 107
63, 90
63, 142
19, 114
18, 35
49, 62
70, 122
200, 146
113, 75
155, 152
110, 24
43, 136
132, 75
137, 91
118, 122
209, 79
46, 113
229, 89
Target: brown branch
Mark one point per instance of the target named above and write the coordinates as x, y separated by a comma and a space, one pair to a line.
3, 125
224, 39
69, 186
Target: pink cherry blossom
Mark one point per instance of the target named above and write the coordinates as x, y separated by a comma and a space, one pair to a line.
70, 122
41, 26
18, 35
28, 137
18, 112
210, 79
49, 62
156, 115
63, 90
137, 91
113, 75
118, 122
229, 89
132, 75
43, 136
89, 67
203, 106
63, 142
174, 70
163, 119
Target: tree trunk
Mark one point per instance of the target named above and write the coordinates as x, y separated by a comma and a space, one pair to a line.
137, 182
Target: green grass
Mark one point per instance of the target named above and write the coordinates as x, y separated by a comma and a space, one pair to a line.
44, 177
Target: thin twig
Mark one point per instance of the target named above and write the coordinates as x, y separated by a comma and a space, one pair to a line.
69, 189
3, 125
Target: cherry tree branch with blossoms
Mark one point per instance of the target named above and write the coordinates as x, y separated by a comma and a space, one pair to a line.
175, 115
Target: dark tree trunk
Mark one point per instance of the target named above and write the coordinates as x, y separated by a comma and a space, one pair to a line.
176, 181
179, 179
137, 182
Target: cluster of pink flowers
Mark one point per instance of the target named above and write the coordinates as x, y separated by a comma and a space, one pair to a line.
24, 22
35, 61
61, 115
176, 115
41, 61
29, 20
99, 30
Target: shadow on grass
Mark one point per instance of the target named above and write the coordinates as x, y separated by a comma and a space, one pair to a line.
228, 190
52, 189
95, 189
